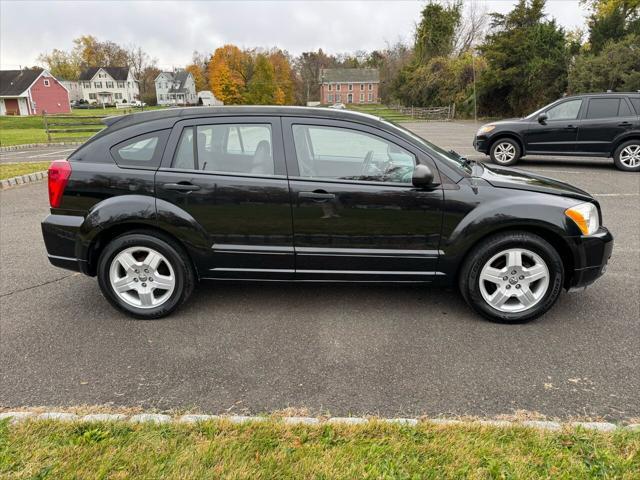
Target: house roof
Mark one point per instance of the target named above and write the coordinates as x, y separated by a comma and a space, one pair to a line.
180, 77
117, 73
354, 75
15, 82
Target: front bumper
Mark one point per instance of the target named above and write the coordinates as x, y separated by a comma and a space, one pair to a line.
481, 144
591, 256
61, 233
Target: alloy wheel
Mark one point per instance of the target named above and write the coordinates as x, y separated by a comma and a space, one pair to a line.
142, 277
514, 280
630, 156
504, 152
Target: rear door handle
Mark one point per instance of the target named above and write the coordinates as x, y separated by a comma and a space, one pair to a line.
317, 195
624, 124
181, 187
571, 127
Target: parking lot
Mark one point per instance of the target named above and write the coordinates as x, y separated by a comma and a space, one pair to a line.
339, 349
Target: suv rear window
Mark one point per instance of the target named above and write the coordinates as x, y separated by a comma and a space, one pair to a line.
143, 151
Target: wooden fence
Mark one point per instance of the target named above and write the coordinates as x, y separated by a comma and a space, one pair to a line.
427, 113
71, 128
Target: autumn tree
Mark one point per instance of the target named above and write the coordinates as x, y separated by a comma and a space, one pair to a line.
227, 77
283, 77
262, 88
61, 64
198, 76
90, 52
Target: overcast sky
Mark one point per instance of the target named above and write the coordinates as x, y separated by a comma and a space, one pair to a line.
171, 30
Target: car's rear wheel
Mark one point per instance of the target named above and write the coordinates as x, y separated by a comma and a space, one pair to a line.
505, 151
145, 275
627, 156
512, 277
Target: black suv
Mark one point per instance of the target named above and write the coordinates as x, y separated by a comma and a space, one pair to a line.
160, 200
594, 125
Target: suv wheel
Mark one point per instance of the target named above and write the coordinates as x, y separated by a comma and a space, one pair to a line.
627, 156
145, 276
505, 151
512, 277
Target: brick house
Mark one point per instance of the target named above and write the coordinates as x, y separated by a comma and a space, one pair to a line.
349, 85
32, 92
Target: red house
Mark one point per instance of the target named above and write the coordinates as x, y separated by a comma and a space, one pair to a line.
32, 92
349, 85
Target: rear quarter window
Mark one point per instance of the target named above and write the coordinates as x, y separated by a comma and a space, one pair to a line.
143, 151
635, 101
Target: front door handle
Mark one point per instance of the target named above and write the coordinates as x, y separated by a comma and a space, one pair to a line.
181, 187
624, 124
571, 127
317, 195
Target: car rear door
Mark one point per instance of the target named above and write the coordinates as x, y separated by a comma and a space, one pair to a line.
606, 118
229, 174
356, 214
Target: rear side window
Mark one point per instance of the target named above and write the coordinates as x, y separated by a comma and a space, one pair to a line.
625, 109
226, 148
603, 108
143, 151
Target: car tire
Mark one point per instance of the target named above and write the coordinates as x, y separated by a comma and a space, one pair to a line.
536, 255
627, 156
133, 260
505, 152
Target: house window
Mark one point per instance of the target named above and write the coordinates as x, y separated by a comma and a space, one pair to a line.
350, 86
109, 84
118, 96
330, 99
362, 86
370, 97
362, 98
370, 86
330, 87
97, 84
128, 84
338, 98
338, 87
87, 84
92, 96
120, 84
46, 82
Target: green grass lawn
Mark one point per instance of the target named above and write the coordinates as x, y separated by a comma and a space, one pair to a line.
21, 130
270, 449
8, 170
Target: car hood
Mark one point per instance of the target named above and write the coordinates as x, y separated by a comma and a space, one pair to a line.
504, 177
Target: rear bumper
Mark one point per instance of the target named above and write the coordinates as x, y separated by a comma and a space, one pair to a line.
60, 233
591, 256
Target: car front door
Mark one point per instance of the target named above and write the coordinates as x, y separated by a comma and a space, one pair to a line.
229, 175
558, 132
356, 214
606, 118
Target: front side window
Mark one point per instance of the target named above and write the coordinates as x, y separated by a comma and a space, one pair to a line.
226, 148
565, 110
345, 154
603, 108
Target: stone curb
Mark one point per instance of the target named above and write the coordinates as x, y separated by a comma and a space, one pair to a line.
22, 179
11, 148
15, 417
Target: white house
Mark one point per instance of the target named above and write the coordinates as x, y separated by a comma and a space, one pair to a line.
176, 88
109, 85
74, 88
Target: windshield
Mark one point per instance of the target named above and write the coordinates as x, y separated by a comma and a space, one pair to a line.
451, 158
539, 111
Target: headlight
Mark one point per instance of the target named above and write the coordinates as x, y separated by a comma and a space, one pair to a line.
485, 129
585, 217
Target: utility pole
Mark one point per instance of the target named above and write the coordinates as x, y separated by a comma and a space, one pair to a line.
475, 97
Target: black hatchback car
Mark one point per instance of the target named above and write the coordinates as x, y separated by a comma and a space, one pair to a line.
594, 125
160, 200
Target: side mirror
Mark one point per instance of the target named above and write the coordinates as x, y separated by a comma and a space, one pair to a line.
422, 177
542, 118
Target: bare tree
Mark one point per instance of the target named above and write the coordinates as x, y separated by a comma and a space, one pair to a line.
472, 27
144, 71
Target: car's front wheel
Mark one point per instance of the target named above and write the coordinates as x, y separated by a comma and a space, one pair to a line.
505, 151
512, 277
627, 156
145, 275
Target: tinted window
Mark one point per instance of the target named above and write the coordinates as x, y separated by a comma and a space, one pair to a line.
142, 151
565, 110
625, 109
635, 101
227, 148
603, 107
341, 153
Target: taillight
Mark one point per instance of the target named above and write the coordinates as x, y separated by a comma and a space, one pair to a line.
59, 173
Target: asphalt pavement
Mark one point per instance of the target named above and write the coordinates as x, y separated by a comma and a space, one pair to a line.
338, 349
39, 154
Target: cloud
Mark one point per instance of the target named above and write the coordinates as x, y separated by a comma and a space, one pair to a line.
171, 31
